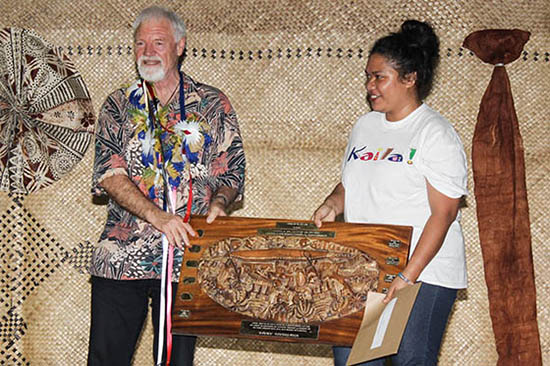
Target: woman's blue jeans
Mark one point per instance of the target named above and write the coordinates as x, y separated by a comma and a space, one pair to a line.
422, 338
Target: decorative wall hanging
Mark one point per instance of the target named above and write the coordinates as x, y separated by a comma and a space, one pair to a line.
502, 208
46, 115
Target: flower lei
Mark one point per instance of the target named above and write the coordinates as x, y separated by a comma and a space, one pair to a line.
175, 141
167, 148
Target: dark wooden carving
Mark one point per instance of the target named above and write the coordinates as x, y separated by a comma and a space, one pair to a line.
284, 280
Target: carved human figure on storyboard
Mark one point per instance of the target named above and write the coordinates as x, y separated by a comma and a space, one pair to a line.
405, 164
167, 147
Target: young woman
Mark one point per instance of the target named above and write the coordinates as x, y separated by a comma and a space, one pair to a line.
405, 165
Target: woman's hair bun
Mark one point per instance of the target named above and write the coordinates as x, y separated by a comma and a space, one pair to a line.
421, 34
417, 28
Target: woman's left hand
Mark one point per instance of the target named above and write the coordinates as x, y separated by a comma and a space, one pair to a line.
397, 284
443, 212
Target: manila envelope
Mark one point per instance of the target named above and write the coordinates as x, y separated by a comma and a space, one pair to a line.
383, 325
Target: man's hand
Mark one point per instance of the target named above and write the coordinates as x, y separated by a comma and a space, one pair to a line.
217, 208
219, 204
176, 230
128, 196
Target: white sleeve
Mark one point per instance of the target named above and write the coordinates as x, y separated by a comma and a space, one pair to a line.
443, 160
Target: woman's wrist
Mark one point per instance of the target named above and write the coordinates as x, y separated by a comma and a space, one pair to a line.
405, 279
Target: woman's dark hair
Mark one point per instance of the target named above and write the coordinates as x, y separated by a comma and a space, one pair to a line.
415, 48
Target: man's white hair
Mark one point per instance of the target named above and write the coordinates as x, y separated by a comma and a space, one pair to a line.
157, 12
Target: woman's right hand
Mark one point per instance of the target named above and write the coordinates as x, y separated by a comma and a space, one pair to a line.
325, 213
332, 207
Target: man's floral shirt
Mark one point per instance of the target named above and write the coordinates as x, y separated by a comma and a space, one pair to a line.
206, 146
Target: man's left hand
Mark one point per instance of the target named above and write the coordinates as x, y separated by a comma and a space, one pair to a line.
217, 208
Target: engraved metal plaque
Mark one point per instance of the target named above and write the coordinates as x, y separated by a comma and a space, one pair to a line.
296, 232
296, 225
284, 280
278, 330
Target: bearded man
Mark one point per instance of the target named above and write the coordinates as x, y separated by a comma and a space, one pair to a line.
166, 147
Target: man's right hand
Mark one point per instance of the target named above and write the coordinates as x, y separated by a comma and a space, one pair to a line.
176, 230
128, 196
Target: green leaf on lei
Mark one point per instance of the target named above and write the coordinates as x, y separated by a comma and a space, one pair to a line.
149, 176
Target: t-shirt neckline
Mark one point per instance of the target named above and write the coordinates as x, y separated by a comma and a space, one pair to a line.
402, 122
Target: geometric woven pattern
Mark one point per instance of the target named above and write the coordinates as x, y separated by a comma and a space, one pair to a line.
80, 257
12, 328
12, 357
28, 257
32, 255
294, 72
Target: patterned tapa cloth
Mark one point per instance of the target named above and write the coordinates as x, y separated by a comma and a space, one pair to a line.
46, 115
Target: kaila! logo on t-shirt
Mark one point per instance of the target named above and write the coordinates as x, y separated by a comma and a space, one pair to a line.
379, 155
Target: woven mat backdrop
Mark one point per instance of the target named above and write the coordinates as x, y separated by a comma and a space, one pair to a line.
294, 71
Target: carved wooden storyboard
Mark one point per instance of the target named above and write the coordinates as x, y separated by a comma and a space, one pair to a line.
284, 280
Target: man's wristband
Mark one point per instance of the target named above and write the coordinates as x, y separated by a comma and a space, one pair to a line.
402, 276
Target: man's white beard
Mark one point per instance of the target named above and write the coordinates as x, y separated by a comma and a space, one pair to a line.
151, 73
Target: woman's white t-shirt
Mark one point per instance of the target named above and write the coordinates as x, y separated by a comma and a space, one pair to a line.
384, 174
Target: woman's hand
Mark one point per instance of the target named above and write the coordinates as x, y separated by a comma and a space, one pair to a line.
397, 284
443, 212
325, 213
332, 207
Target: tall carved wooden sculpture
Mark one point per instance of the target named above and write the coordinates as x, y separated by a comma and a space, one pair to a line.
502, 209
